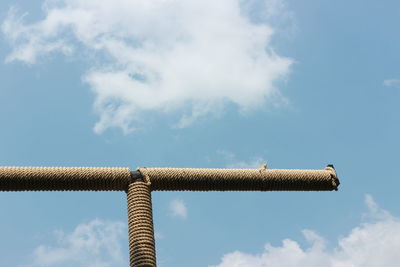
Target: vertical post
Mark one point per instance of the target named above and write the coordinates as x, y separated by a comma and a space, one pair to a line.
140, 224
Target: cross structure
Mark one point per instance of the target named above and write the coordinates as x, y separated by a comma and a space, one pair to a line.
139, 184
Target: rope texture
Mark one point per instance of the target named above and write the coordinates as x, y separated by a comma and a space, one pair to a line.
140, 223
240, 179
63, 179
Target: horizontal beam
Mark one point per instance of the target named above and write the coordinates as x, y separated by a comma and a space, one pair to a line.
241, 179
118, 179
64, 179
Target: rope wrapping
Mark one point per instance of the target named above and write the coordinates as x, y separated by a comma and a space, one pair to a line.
140, 225
96, 179
63, 179
138, 186
240, 179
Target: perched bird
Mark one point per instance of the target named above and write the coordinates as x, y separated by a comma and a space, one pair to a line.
263, 166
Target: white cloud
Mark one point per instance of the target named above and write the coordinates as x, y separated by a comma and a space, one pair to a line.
184, 58
374, 211
93, 244
254, 163
392, 83
274, 12
371, 244
178, 208
234, 163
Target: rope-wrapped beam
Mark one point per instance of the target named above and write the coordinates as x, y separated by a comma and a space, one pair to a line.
63, 179
241, 179
139, 184
140, 224
118, 179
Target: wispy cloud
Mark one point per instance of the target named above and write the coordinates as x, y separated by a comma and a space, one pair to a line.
254, 163
374, 243
234, 163
93, 244
392, 83
178, 208
184, 58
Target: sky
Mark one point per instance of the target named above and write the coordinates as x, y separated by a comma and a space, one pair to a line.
207, 84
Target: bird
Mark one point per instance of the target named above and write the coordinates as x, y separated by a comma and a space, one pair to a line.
263, 166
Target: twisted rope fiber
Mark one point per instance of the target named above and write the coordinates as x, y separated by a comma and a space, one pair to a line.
63, 179
141, 233
140, 224
241, 179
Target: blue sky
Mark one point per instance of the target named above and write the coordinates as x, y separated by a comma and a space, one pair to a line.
199, 84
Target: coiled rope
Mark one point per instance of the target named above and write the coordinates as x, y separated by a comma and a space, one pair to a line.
241, 179
139, 184
63, 179
140, 225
